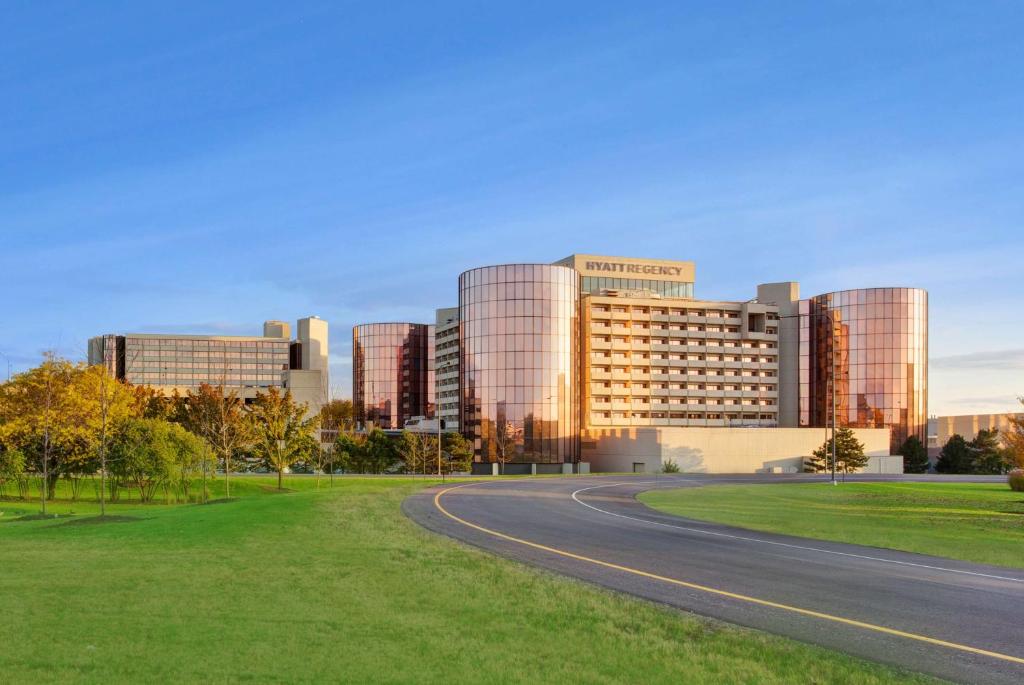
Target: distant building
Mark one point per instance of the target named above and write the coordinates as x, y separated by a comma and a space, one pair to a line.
968, 425
446, 366
244, 364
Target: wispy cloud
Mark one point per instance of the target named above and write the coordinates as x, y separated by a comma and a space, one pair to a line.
999, 360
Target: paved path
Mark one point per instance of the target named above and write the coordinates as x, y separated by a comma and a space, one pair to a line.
952, 619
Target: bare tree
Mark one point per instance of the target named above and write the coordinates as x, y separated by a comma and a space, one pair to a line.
505, 433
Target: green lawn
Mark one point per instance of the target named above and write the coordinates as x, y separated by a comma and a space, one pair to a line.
971, 521
336, 585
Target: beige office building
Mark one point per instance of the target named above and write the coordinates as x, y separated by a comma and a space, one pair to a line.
243, 364
969, 425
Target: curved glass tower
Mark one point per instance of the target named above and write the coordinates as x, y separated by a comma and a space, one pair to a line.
392, 373
874, 343
519, 362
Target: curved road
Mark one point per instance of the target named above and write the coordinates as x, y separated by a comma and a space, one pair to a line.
952, 619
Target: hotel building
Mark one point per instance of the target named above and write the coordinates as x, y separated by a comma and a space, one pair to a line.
243, 364
601, 359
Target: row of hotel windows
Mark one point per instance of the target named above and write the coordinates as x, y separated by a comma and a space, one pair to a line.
149, 366
601, 361
607, 370
684, 343
671, 311
595, 284
597, 387
691, 416
694, 400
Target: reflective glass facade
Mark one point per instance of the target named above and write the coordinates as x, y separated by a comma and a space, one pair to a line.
874, 342
392, 373
519, 362
594, 285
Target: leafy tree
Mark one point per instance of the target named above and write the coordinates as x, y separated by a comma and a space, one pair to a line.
418, 451
349, 452
988, 456
220, 419
915, 456
956, 456
192, 459
1014, 439
283, 435
457, 453
143, 454
380, 453
12, 469
337, 415
58, 415
849, 454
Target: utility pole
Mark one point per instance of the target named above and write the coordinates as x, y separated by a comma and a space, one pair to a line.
834, 414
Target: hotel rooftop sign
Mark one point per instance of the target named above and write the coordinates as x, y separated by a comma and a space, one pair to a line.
626, 267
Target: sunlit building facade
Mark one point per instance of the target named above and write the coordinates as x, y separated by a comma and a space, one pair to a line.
392, 373
519, 363
601, 357
245, 365
873, 344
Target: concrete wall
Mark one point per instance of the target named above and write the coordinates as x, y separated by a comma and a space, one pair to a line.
715, 450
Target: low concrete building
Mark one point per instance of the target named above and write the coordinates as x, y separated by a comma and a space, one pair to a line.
722, 450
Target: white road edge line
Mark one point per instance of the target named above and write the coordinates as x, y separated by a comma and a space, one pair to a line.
768, 542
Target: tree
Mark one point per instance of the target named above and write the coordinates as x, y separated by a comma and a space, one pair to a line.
955, 457
57, 416
915, 456
379, 451
1013, 438
349, 452
12, 469
337, 415
987, 455
419, 451
219, 419
283, 435
457, 453
849, 453
116, 403
143, 454
192, 459
505, 434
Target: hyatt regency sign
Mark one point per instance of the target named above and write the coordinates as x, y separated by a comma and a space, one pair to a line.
614, 269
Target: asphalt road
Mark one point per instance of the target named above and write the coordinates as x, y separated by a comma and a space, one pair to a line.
956, 620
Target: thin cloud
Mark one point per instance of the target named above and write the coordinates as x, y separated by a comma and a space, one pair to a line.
1000, 360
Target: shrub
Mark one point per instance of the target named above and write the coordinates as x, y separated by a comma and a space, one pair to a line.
1016, 480
670, 467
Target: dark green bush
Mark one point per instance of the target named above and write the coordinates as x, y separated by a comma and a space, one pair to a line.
1016, 480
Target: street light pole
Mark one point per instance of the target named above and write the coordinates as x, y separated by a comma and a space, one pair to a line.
834, 413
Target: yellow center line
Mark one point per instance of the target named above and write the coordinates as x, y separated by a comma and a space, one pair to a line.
723, 593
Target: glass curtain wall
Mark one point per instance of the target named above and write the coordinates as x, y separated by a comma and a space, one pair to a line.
519, 361
392, 373
874, 343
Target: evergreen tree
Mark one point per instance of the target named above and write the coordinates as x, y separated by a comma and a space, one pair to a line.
849, 454
915, 456
988, 455
955, 457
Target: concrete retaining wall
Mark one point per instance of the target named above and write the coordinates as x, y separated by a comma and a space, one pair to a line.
718, 450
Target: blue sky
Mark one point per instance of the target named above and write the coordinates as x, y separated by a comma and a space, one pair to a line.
203, 168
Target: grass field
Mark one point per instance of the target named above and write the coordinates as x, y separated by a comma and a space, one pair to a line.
336, 585
978, 522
